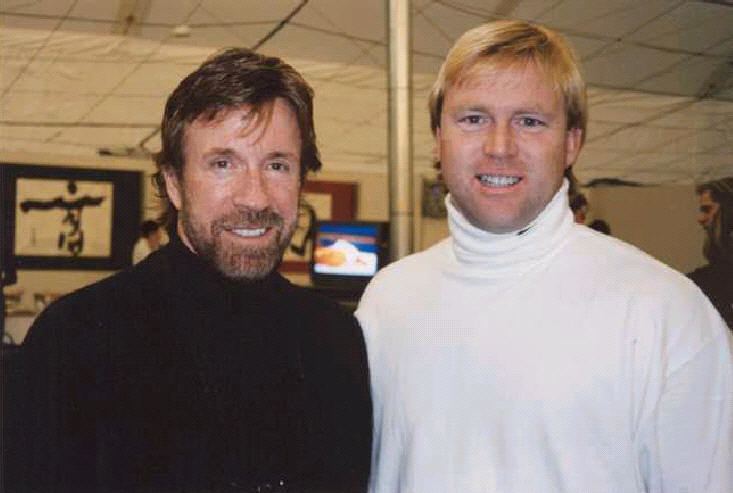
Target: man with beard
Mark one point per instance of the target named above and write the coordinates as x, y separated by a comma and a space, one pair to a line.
716, 217
201, 368
527, 353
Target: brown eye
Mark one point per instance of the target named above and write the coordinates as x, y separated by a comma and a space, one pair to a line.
279, 166
220, 164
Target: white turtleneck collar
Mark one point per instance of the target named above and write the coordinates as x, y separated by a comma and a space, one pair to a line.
479, 253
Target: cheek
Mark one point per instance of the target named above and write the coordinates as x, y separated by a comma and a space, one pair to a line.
286, 200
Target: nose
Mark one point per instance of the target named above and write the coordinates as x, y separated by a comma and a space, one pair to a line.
499, 141
251, 190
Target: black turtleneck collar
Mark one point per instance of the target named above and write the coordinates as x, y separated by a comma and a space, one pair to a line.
194, 274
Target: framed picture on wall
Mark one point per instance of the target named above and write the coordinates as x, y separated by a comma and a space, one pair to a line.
70, 218
320, 200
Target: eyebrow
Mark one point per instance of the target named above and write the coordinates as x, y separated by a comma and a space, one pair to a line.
277, 154
484, 109
220, 151
229, 152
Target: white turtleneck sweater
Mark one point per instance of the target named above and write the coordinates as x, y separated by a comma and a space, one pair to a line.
556, 360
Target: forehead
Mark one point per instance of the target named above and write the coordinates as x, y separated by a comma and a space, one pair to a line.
506, 78
272, 121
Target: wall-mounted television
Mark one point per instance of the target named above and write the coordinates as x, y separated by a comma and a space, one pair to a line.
347, 254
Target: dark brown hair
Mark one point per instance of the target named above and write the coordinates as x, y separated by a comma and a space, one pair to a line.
230, 79
719, 241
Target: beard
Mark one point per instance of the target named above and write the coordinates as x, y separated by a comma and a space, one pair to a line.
234, 261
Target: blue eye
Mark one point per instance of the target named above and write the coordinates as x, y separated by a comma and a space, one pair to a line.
472, 119
530, 122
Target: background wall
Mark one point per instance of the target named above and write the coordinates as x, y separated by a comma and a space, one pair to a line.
659, 220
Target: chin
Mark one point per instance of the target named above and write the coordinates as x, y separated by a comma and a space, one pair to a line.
243, 267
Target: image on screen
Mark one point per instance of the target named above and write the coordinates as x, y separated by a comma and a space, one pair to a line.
346, 249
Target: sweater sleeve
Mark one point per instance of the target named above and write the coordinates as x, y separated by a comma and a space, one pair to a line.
56, 450
687, 443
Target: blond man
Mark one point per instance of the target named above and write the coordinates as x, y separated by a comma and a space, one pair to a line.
526, 353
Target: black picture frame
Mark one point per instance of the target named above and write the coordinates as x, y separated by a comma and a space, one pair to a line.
126, 209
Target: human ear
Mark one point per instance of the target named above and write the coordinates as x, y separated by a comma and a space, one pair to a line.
573, 139
173, 187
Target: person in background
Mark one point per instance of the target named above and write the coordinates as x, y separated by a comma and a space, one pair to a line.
579, 206
600, 225
716, 217
202, 368
526, 353
151, 236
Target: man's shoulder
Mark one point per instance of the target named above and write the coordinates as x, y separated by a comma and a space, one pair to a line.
618, 258
132, 281
312, 305
323, 321
413, 267
623, 270
113, 298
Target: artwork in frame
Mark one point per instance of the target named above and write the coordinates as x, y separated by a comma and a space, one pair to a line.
69, 218
320, 200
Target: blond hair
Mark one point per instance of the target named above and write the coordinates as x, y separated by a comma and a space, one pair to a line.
501, 43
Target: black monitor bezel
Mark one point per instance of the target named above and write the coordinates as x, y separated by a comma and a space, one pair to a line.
352, 283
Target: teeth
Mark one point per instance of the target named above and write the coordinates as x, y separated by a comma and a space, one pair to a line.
498, 180
249, 233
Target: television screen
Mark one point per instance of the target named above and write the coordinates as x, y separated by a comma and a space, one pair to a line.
348, 251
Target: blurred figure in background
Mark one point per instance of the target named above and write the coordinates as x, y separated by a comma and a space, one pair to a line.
716, 217
579, 206
151, 237
600, 225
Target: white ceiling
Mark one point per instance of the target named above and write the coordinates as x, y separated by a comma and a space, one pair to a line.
77, 75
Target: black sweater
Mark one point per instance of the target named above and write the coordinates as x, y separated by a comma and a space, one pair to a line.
169, 377
716, 281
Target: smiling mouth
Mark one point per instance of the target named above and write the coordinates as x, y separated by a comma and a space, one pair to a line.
248, 232
498, 181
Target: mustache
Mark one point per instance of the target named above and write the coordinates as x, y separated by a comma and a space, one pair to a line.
248, 217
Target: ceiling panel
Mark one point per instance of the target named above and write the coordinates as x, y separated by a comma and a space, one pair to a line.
702, 141
632, 107
692, 26
28, 133
43, 108
638, 64
228, 11
640, 138
100, 137
297, 42
692, 119
135, 109
158, 79
96, 68
613, 19
171, 12
444, 24
355, 76
96, 10
692, 76
43, 75
38, 7
362, 20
